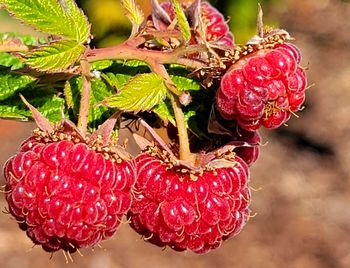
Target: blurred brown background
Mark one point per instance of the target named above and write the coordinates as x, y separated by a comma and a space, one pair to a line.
302, 205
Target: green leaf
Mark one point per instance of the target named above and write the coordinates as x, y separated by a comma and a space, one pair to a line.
49, 16
116, 80
11, 83
45, 100
165, 112
8, 60
182, 20
185, 84
141, 93
55, 57
133, 12
101, 65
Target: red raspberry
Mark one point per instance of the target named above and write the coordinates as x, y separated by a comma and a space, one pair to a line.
216, 28
175, 208
263, 88
65, 194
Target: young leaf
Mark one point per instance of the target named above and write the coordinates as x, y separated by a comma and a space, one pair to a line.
141, 93
51, 17
11, 83
133, 12
55, 57
182, 20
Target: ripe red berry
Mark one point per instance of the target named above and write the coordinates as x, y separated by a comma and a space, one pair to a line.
216, 28
65, 194
263, 88
173, 207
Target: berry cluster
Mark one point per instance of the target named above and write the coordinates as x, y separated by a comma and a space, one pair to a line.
69, 188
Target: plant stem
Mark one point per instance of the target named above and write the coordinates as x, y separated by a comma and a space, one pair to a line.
126, 51
185, 152
85, 97
14, 48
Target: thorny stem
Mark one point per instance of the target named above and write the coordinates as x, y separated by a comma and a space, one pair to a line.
85, 96
127, 51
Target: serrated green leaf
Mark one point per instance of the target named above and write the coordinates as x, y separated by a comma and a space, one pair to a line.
182, 20
141, 93
55, 57
184, 83
80, 21
116, 80
101, 65
165, 112
133, 11
11, 83
8, 60
49, 16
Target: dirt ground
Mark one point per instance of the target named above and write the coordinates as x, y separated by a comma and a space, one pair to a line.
301, 179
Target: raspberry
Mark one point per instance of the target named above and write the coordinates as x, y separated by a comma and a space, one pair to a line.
216, 28
263, 88
173, 207
65, 194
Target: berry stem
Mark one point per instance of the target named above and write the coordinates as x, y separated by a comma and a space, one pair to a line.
85, 96
185, 152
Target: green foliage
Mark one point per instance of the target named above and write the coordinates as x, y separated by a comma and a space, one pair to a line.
49, 16
44, 99
11, 83
55, 57
141, 93
63, 19
185, 84
182, 20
